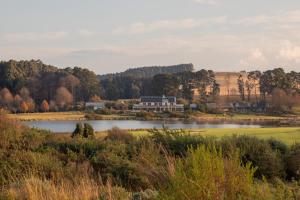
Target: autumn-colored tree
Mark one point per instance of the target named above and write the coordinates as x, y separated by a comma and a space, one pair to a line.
63, 97
23, 107
6, 98
16, 103
95, 98
52, 106
45, 106
31, 105
25, 94
70, 82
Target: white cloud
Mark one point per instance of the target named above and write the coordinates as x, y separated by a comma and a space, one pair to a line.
255, 57
86, 32
35, 36
290, 52
208, 2
140, 27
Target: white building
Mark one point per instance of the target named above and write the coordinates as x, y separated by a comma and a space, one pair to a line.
95, 105
158, 104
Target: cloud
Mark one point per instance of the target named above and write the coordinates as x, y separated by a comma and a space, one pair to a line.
255, 57
290, 52
35, 36
86, 32
207, 2
286, 17
161, 25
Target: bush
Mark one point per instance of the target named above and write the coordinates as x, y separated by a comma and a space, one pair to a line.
78, 130
269, 163
204, 174
293, 162
116, 134
145, 115
176, 142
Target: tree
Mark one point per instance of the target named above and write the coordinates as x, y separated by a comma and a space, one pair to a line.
70, 82
88, 131
272, 79
45, 106
63, 97
16, 103
254, 78
241, 86
279, 99
25, 94
23, 107
78, 130
165, 84
6, 98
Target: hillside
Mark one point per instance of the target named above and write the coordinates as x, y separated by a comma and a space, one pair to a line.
147, 72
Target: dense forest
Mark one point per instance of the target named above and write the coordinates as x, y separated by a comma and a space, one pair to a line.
148, 72
33, 82
179, 84
28, 86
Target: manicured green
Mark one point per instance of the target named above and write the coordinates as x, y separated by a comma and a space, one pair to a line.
288, 135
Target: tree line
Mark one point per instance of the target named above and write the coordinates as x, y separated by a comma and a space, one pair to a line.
27, 86
32, 85
283, 87
179, 84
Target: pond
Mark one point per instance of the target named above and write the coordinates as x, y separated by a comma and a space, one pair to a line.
102, 125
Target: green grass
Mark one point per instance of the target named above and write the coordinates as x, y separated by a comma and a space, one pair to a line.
288, 135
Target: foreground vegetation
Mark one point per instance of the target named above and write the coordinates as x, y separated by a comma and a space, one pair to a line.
166, 164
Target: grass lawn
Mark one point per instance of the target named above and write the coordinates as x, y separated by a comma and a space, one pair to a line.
48, 116
237, 117
288, 135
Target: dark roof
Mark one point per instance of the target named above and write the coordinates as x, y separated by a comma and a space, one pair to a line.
158, 99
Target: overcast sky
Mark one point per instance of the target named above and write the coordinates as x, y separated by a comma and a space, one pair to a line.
113, 35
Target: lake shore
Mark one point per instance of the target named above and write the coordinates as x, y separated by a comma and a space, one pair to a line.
203, 117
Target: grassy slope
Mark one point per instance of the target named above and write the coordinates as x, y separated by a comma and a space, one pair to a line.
286, 134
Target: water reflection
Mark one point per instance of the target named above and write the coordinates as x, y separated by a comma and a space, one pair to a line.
101, 125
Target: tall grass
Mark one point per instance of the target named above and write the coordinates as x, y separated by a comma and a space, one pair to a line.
85, 189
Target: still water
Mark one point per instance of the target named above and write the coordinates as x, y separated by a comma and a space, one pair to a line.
102, 125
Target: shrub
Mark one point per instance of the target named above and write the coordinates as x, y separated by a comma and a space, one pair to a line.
269, 163
116, 134
78, 130
88, 131
293, 162
145, 115
176, 142
204, 174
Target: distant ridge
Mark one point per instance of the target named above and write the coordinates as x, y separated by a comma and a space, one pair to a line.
147, 72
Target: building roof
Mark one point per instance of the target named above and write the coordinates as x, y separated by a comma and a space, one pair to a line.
158, 99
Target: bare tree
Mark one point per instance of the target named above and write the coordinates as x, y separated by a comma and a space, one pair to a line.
6, 98
63, 97
70, 82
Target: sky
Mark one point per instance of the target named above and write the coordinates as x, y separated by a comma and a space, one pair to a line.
113, 35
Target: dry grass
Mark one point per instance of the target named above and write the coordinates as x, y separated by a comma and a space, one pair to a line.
48, 116
85, 189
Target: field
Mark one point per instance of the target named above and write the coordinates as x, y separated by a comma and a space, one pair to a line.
288, 135
48, 116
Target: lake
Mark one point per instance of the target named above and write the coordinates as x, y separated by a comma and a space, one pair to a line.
102, 125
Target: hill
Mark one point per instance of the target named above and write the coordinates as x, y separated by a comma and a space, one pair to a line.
147, 72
